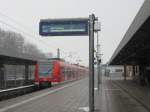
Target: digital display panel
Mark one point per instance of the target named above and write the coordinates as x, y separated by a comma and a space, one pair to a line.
63, 27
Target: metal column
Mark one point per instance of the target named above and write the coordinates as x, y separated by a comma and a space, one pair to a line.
98, 62
91, 63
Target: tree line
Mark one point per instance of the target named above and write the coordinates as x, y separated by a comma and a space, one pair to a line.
14, 43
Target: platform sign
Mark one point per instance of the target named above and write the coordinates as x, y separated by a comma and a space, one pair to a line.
63, 27
75, 27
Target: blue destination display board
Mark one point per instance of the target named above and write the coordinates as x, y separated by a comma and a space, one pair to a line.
63, 27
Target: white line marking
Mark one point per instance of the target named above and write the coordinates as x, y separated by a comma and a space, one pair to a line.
84, 109
34, 98
95, 89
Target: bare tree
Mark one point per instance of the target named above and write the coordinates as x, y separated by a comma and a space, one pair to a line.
13, 43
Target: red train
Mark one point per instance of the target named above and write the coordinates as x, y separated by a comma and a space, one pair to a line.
56, 71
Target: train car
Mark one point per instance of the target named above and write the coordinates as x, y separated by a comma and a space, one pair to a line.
53, 71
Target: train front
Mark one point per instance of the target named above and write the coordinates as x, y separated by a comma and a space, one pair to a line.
44, 73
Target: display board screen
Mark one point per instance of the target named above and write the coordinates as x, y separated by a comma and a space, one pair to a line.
63, 27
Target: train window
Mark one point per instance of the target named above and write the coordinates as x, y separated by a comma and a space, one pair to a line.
45, 68
66, 73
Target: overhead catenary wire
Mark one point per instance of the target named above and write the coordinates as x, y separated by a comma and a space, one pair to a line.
21, 31
27, 34
25, 30
16, 22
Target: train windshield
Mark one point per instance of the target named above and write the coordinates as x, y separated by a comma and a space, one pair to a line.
45, 68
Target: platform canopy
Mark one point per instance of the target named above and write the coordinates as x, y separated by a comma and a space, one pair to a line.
8, 56
135, 45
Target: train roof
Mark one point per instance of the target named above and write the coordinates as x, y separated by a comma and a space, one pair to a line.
62, 61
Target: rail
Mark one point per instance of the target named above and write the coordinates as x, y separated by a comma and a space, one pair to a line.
17, 88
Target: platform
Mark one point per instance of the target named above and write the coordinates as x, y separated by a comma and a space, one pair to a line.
124, 96
62, 98
113, 96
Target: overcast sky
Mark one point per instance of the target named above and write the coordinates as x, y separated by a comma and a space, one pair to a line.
115, 16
